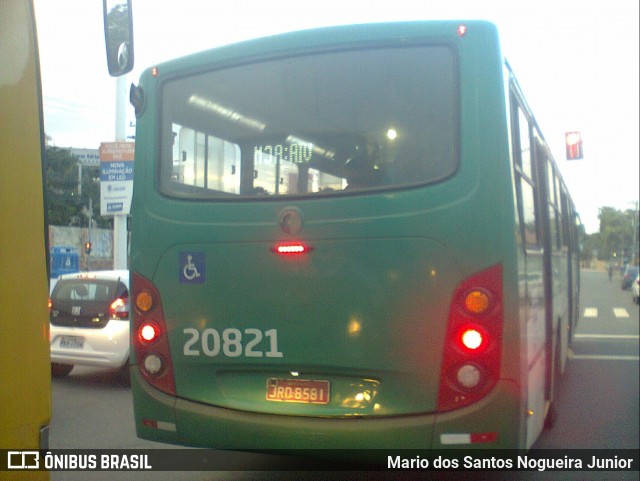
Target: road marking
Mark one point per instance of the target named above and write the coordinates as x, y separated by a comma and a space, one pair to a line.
599, 357
618, 312
591, 312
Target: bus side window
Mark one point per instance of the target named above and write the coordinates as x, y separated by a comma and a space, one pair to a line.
525, 184
528, 213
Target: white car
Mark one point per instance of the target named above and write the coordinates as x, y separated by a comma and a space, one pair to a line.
635, 288
89, 321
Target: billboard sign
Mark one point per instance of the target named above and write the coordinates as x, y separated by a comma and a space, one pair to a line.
116, 177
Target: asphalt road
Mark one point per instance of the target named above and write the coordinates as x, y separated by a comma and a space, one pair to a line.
597, 406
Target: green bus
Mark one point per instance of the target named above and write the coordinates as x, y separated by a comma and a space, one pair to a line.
349, 237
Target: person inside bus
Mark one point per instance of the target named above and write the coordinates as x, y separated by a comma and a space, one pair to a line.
362, 171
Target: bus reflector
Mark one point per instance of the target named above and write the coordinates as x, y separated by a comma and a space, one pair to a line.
153, 363
291, 248
484, 437
144, 301
476, 302
469, 376
152, 423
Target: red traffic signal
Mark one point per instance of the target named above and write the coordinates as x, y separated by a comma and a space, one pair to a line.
573, 144
87, 247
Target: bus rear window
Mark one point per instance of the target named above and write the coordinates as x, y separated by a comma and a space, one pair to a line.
325, 123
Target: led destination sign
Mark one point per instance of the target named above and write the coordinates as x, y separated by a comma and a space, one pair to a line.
294, 153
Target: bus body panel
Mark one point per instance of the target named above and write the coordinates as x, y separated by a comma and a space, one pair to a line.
349, 311
195, 424
366, 309
24, 343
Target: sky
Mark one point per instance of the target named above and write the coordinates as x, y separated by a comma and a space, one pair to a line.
577, 62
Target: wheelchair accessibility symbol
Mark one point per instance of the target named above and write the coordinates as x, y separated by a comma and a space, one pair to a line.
192, 267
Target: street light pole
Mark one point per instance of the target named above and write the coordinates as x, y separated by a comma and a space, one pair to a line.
634, 226
120, 220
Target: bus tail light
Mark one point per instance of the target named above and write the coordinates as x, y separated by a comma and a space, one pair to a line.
472, 339
291, 248
472, 349
150, 340
148, 332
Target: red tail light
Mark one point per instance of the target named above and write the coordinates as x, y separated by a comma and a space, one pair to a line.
472, 339
119, 309
150, 340
148, 332
291, 248
471, 362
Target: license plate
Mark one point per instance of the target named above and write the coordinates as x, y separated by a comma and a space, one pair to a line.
297, 391
71, 342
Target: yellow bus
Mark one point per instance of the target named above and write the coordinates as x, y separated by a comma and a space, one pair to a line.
25, 375
25, 382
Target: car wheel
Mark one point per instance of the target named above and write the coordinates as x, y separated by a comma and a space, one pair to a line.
60, 370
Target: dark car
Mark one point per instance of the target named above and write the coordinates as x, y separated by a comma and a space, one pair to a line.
628, 276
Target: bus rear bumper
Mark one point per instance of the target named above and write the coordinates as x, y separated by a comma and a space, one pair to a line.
494, 422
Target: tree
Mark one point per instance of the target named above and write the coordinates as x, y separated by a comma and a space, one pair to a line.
590, 247
617, 238
65, 206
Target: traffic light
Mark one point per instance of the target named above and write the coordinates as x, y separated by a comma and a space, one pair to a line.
573, 144
87, 248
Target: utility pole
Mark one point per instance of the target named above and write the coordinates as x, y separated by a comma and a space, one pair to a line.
88, 212
634, 226
120, 220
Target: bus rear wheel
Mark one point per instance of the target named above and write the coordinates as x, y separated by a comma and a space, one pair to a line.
552, 416
124, 374
552, 413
